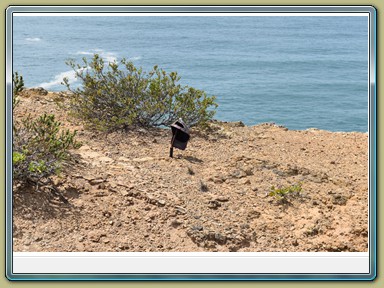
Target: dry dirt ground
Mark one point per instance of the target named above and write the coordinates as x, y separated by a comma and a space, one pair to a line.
126, 194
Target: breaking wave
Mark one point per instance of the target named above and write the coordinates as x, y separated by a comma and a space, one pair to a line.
71, 75
134, 58
108, 57
33, 39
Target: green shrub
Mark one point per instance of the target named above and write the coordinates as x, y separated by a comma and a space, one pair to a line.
283, 194
18, 86
111, 98
40, 147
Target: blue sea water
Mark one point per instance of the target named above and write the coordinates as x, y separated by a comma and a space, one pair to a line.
300, 72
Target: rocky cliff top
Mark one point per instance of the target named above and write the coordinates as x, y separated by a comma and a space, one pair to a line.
126, 194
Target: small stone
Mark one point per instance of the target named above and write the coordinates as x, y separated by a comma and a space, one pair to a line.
339, 200
151, 216
81, 239
222, 199
213, 204
96, 181
242, 193
197, 228
220, 238
244, 226
161, 202
176, 223
107, 214
147, 208
151, 199
248, 171
180, 210
218, 180
87, 187
101, 186
39, 238
239, 238
254, 214
244, 181
95, 236
129, 201
239, 174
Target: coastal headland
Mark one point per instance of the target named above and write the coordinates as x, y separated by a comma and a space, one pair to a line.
259, 188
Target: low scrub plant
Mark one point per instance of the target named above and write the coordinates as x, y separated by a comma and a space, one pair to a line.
18, 86
40, 146
283, 194
114, 98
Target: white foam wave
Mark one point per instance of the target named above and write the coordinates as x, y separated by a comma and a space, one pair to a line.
33, 39
108, 57
84, 53
70, 75
134, 58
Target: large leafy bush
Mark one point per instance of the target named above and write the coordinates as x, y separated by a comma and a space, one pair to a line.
111, 98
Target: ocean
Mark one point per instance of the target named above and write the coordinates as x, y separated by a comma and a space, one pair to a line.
298, 71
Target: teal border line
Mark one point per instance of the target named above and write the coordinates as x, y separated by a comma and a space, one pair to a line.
374, 180
201, 277
8, 143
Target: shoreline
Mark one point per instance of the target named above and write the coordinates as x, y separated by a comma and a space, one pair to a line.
40, 91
